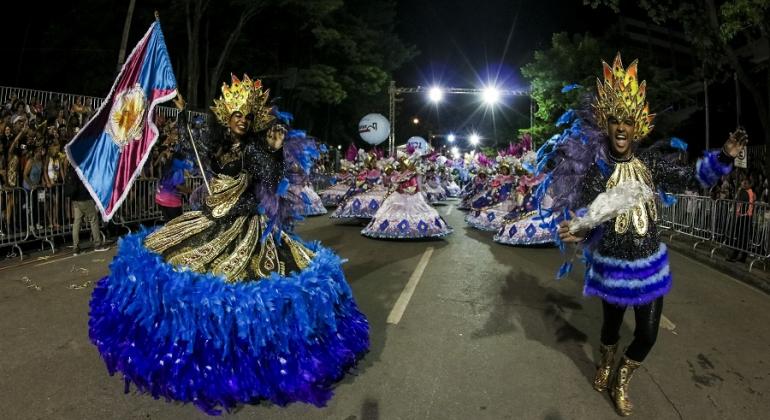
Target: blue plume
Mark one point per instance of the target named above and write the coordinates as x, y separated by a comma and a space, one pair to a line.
667, 199
604, 168
282, 117
283, 187
678, 143
566, 118
568, 88
565, 269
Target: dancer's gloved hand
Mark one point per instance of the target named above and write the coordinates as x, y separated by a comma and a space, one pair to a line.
564, 233
735, 142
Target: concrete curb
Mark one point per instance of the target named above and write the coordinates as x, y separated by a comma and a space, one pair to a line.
757, 278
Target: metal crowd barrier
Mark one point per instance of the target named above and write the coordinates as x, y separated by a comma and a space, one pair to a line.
13, 218
722, 224
45, 96
140, 205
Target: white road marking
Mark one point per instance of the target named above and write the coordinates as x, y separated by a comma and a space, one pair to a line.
398, 309
56, 260
449, 210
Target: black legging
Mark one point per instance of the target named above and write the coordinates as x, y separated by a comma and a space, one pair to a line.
645, 333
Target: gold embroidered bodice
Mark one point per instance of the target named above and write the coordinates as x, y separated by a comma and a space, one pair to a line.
207, 243
644, 212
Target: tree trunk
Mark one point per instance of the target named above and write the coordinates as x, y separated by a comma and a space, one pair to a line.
206, 68
216, 72
194, 17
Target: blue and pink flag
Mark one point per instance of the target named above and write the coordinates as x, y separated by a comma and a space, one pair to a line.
110, 150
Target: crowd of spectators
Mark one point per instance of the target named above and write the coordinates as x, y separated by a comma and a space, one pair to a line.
33, 134
32, 139
730, 185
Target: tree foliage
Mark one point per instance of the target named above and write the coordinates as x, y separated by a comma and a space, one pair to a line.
569, 60
730, 37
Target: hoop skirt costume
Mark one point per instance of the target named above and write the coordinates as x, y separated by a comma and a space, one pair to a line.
626, 263
225, 306
475, 189
405, 214
434, 192
450, 186
524, 225
333, 195
304, 199
365, 198
487, 211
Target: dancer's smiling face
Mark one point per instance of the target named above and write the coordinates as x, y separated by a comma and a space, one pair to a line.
621, 134
238, 124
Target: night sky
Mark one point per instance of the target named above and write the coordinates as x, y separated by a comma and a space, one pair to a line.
467, 44
463, 44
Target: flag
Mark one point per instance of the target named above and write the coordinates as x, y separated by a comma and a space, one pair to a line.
110, 150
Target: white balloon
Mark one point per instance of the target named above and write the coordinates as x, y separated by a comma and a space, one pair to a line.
374, 128
419, 144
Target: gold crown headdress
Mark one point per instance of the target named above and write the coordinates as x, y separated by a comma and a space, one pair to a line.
622, 96
244, 96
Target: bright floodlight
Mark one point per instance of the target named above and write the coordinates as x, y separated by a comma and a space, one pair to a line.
415, 120
475, 139
339, 147
451, 138
490, 95
455, 152
435, 94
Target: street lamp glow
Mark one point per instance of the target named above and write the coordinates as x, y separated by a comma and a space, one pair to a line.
451, 138
475, 139
415, 120
435, 94
490, 95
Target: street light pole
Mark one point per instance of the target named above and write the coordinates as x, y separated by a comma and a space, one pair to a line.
493, 95
392, 117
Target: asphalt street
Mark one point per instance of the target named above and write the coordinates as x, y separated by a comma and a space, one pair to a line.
461, 328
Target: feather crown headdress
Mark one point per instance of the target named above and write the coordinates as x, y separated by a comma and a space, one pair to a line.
622, 96
247, 97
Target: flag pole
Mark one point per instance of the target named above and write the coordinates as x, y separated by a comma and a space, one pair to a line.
198, 158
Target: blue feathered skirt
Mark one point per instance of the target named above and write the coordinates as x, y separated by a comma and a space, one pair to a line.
628, 282
192, 337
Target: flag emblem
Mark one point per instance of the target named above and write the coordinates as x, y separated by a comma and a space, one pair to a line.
126, 121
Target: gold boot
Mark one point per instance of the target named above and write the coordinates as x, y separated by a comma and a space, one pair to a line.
619, 389
602, 378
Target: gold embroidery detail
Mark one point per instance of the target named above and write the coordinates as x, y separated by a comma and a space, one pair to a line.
302, 256
267, 260
234, 266
198, 257
184, 217
644, 212
173, 234
225, 191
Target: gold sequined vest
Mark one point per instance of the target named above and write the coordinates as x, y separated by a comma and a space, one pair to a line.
644, 212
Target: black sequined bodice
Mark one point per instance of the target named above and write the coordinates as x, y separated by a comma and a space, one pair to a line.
630, 245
